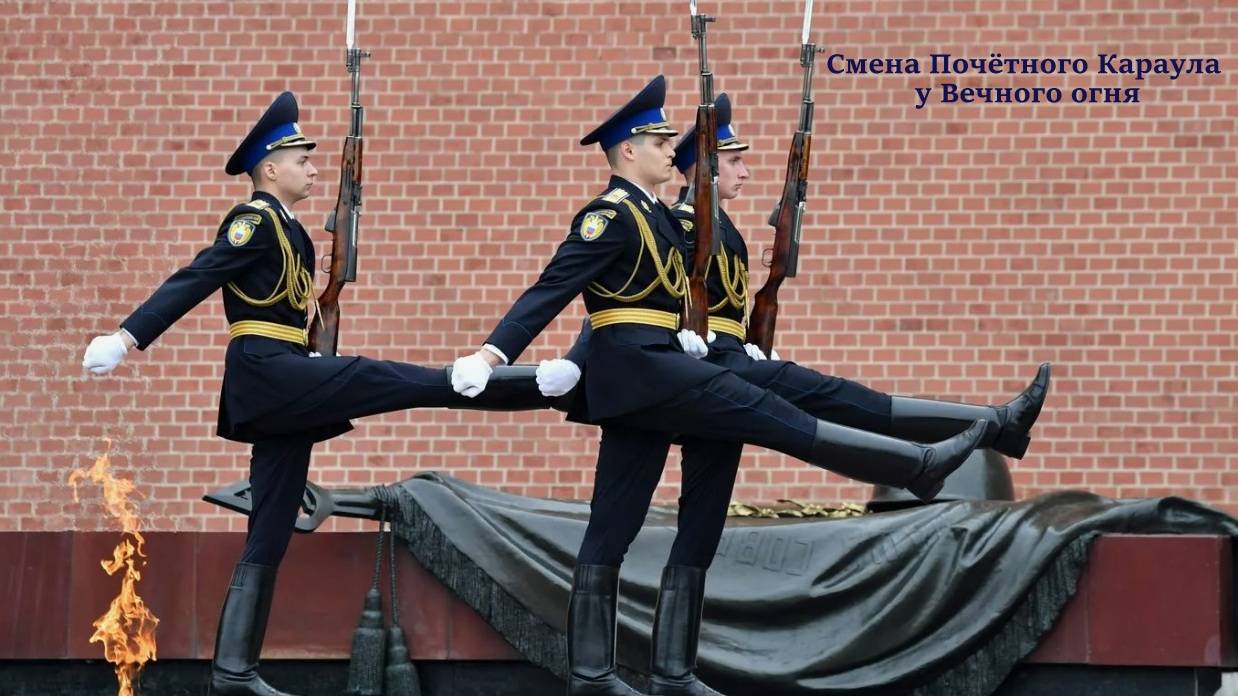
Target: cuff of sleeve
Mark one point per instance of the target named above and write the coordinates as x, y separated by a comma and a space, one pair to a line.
128, 335
143, 328
494, 349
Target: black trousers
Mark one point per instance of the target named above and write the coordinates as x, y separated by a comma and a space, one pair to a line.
770, 403
715, 419
279, 463
827, 397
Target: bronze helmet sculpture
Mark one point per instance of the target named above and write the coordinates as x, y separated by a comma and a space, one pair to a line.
983, 476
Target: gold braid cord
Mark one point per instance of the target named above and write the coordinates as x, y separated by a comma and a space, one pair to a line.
735, 282
295, 283
671, 274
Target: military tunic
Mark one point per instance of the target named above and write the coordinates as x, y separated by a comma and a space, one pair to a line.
835, 399
274, 394
626, 255
257, 250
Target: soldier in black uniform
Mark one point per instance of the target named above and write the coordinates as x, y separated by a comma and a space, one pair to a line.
832, 398
276, 394
646, 382
709, 466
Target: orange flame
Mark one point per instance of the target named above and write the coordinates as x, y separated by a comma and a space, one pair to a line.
127, 630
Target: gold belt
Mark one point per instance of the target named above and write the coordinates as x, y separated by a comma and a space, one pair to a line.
728, 326
625, 315
269, 330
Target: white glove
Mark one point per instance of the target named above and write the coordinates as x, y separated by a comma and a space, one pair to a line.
557, 377
773, 354
470, 374
692, 343
754, 351
104, 353
315, 354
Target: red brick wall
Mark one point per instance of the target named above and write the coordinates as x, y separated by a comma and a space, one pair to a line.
947, 250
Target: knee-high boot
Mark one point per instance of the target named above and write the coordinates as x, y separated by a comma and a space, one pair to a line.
591, 625
874, 458
676, 630
242, 626
926, 420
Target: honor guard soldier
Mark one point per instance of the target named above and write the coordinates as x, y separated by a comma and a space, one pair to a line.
709, 466
832, 398
276, 394
646, 382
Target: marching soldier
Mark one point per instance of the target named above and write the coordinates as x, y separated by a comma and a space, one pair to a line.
276, 394
646, 382
830, 398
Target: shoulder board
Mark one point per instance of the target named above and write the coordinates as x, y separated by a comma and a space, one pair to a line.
243, 221
685, 207
600, 206
614, 195
251, 209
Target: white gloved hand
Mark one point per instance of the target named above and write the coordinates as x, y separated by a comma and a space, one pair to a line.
104, 353
692, 343
315, 354
557, 377
773, 354
711, 337
754, 351
470, 374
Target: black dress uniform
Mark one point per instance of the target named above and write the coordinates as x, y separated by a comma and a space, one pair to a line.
831, 398
625, 252
274, 394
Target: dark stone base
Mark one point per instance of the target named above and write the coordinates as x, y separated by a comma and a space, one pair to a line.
1084, 680
304, 678
494, 678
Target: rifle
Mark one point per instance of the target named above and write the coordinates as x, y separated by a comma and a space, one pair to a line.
343, 222
789, 212
704, 189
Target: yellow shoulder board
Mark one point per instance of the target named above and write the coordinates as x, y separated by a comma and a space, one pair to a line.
258, 204
686, 207
615, 195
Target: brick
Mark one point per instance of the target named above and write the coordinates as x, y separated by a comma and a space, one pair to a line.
946, 251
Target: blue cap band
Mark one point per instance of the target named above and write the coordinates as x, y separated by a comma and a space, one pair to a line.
685, 154
258, 150
622, 130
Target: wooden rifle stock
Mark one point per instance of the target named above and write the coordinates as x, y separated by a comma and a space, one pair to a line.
789, 213
325, 331
696, 308
784, 261
704, 190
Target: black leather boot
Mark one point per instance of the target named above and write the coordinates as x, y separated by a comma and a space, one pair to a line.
591, 617
873, 458
242, 626
676, 629
925, 420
